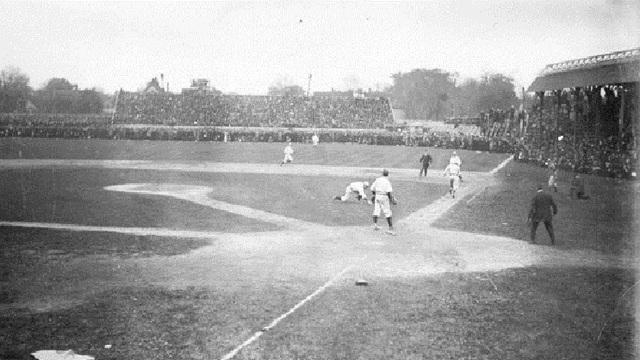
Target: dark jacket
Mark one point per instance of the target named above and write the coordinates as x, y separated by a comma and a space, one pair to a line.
425, 160
542, 207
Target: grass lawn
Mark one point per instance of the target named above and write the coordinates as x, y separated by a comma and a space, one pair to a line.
605, 222
138, 294
324, 154
148, 323
76, 196
535, 313
27, 254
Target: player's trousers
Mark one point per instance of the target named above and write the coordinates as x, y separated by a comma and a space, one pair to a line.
424, 170
547, 224
454, 182
383, 205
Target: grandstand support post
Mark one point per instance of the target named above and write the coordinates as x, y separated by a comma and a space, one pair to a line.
556, 108
574, 109
621, 116
598, 110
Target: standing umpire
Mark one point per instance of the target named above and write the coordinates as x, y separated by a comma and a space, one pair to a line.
425, 159
542, 209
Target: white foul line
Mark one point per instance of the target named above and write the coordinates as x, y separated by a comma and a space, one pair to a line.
501, 165
275, 322
474, 196
492, 172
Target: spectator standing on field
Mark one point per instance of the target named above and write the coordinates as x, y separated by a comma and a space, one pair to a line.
425, 159
577, 188
543, 208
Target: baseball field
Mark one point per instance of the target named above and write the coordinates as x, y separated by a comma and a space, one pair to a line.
199, 250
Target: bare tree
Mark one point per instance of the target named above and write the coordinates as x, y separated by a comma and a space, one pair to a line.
14, 89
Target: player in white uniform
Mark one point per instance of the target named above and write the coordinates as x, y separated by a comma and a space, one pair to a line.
356, 188
288, 155
382, 199
453, 171
455, 159
315, 139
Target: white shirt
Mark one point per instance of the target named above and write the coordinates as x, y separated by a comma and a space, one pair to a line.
358, 187
288, 150
452, 170
455, 159
381, 186
315, 139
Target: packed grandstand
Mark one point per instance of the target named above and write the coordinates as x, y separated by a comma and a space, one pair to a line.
585, 122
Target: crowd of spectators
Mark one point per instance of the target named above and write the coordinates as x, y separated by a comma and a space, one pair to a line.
104, 130
8, 120
550, 139
558, 134
255, 111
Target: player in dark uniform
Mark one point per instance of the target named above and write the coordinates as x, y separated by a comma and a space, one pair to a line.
425, 159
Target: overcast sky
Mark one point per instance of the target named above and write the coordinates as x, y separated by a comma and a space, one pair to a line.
246, 47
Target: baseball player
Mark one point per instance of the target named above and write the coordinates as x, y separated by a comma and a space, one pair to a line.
382, 199
288, 155
356, 188
315, 139
553, 179
455, 159
453, 171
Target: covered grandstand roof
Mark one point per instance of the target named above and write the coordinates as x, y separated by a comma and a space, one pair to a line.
614, 68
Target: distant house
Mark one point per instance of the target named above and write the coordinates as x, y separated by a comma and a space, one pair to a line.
153, 87
198, 85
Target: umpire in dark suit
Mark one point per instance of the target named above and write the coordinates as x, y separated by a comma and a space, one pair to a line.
426, 161
542, 209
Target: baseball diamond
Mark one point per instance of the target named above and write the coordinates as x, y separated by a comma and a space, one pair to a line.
258, 244
319, 180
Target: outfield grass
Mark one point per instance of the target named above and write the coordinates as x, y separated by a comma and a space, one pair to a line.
534, 313
324, 154
606, 222
28, 254
76, 196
